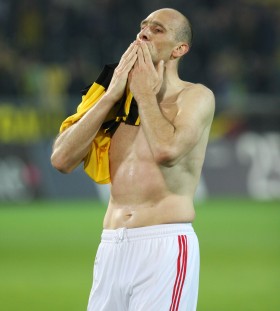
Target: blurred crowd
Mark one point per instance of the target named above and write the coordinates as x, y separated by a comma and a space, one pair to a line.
52, 48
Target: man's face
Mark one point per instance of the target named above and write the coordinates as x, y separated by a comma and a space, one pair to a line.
158, 31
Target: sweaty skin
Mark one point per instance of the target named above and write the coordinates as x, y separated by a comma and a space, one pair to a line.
155, 167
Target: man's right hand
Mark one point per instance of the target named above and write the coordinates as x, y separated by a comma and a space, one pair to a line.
120, 76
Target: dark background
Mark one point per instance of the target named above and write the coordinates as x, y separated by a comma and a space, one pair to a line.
50, 50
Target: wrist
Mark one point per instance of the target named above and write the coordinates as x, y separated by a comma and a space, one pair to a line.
144, 97
110, 97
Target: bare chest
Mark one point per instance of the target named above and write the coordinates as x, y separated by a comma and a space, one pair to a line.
130, 140
131, 164
127, 142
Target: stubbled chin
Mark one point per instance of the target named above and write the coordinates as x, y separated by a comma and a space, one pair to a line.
155, 59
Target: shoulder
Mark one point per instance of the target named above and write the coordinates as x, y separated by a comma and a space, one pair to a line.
197, 99
198, 90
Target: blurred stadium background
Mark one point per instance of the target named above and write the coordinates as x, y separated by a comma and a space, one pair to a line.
50, 223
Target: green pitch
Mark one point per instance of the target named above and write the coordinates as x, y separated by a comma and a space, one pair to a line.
47, 251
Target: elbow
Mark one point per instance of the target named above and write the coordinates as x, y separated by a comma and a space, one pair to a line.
60, 162
169, 156
165, 157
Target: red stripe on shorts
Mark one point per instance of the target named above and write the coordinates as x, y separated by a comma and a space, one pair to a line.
181, 273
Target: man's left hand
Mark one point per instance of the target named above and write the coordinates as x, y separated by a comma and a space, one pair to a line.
145, 78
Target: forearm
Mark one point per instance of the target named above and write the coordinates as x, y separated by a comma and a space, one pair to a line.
73, 144
159, 131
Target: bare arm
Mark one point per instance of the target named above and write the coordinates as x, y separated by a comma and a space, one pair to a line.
71, 147
169, 141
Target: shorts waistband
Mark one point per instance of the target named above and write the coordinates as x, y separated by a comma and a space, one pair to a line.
148, 232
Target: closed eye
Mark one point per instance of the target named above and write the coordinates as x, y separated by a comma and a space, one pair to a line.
158, 30
154, 27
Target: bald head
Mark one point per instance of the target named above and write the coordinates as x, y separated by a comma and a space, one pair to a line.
183, 28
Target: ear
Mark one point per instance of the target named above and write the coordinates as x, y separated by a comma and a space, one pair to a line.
180, 50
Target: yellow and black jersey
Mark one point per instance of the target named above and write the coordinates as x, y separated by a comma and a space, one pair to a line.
96, 163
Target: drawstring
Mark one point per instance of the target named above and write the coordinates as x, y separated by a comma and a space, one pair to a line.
120, 234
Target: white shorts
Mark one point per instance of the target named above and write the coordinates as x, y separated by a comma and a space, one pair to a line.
152, 268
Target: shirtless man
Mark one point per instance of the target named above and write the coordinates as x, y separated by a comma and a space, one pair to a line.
148, 258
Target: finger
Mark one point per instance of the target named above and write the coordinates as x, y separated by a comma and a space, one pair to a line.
129, 60
127, 66
146, 53
140, 54
132, 50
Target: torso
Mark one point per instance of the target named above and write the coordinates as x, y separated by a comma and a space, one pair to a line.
143, 193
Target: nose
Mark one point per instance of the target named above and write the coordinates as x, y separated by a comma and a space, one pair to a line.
143, 34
